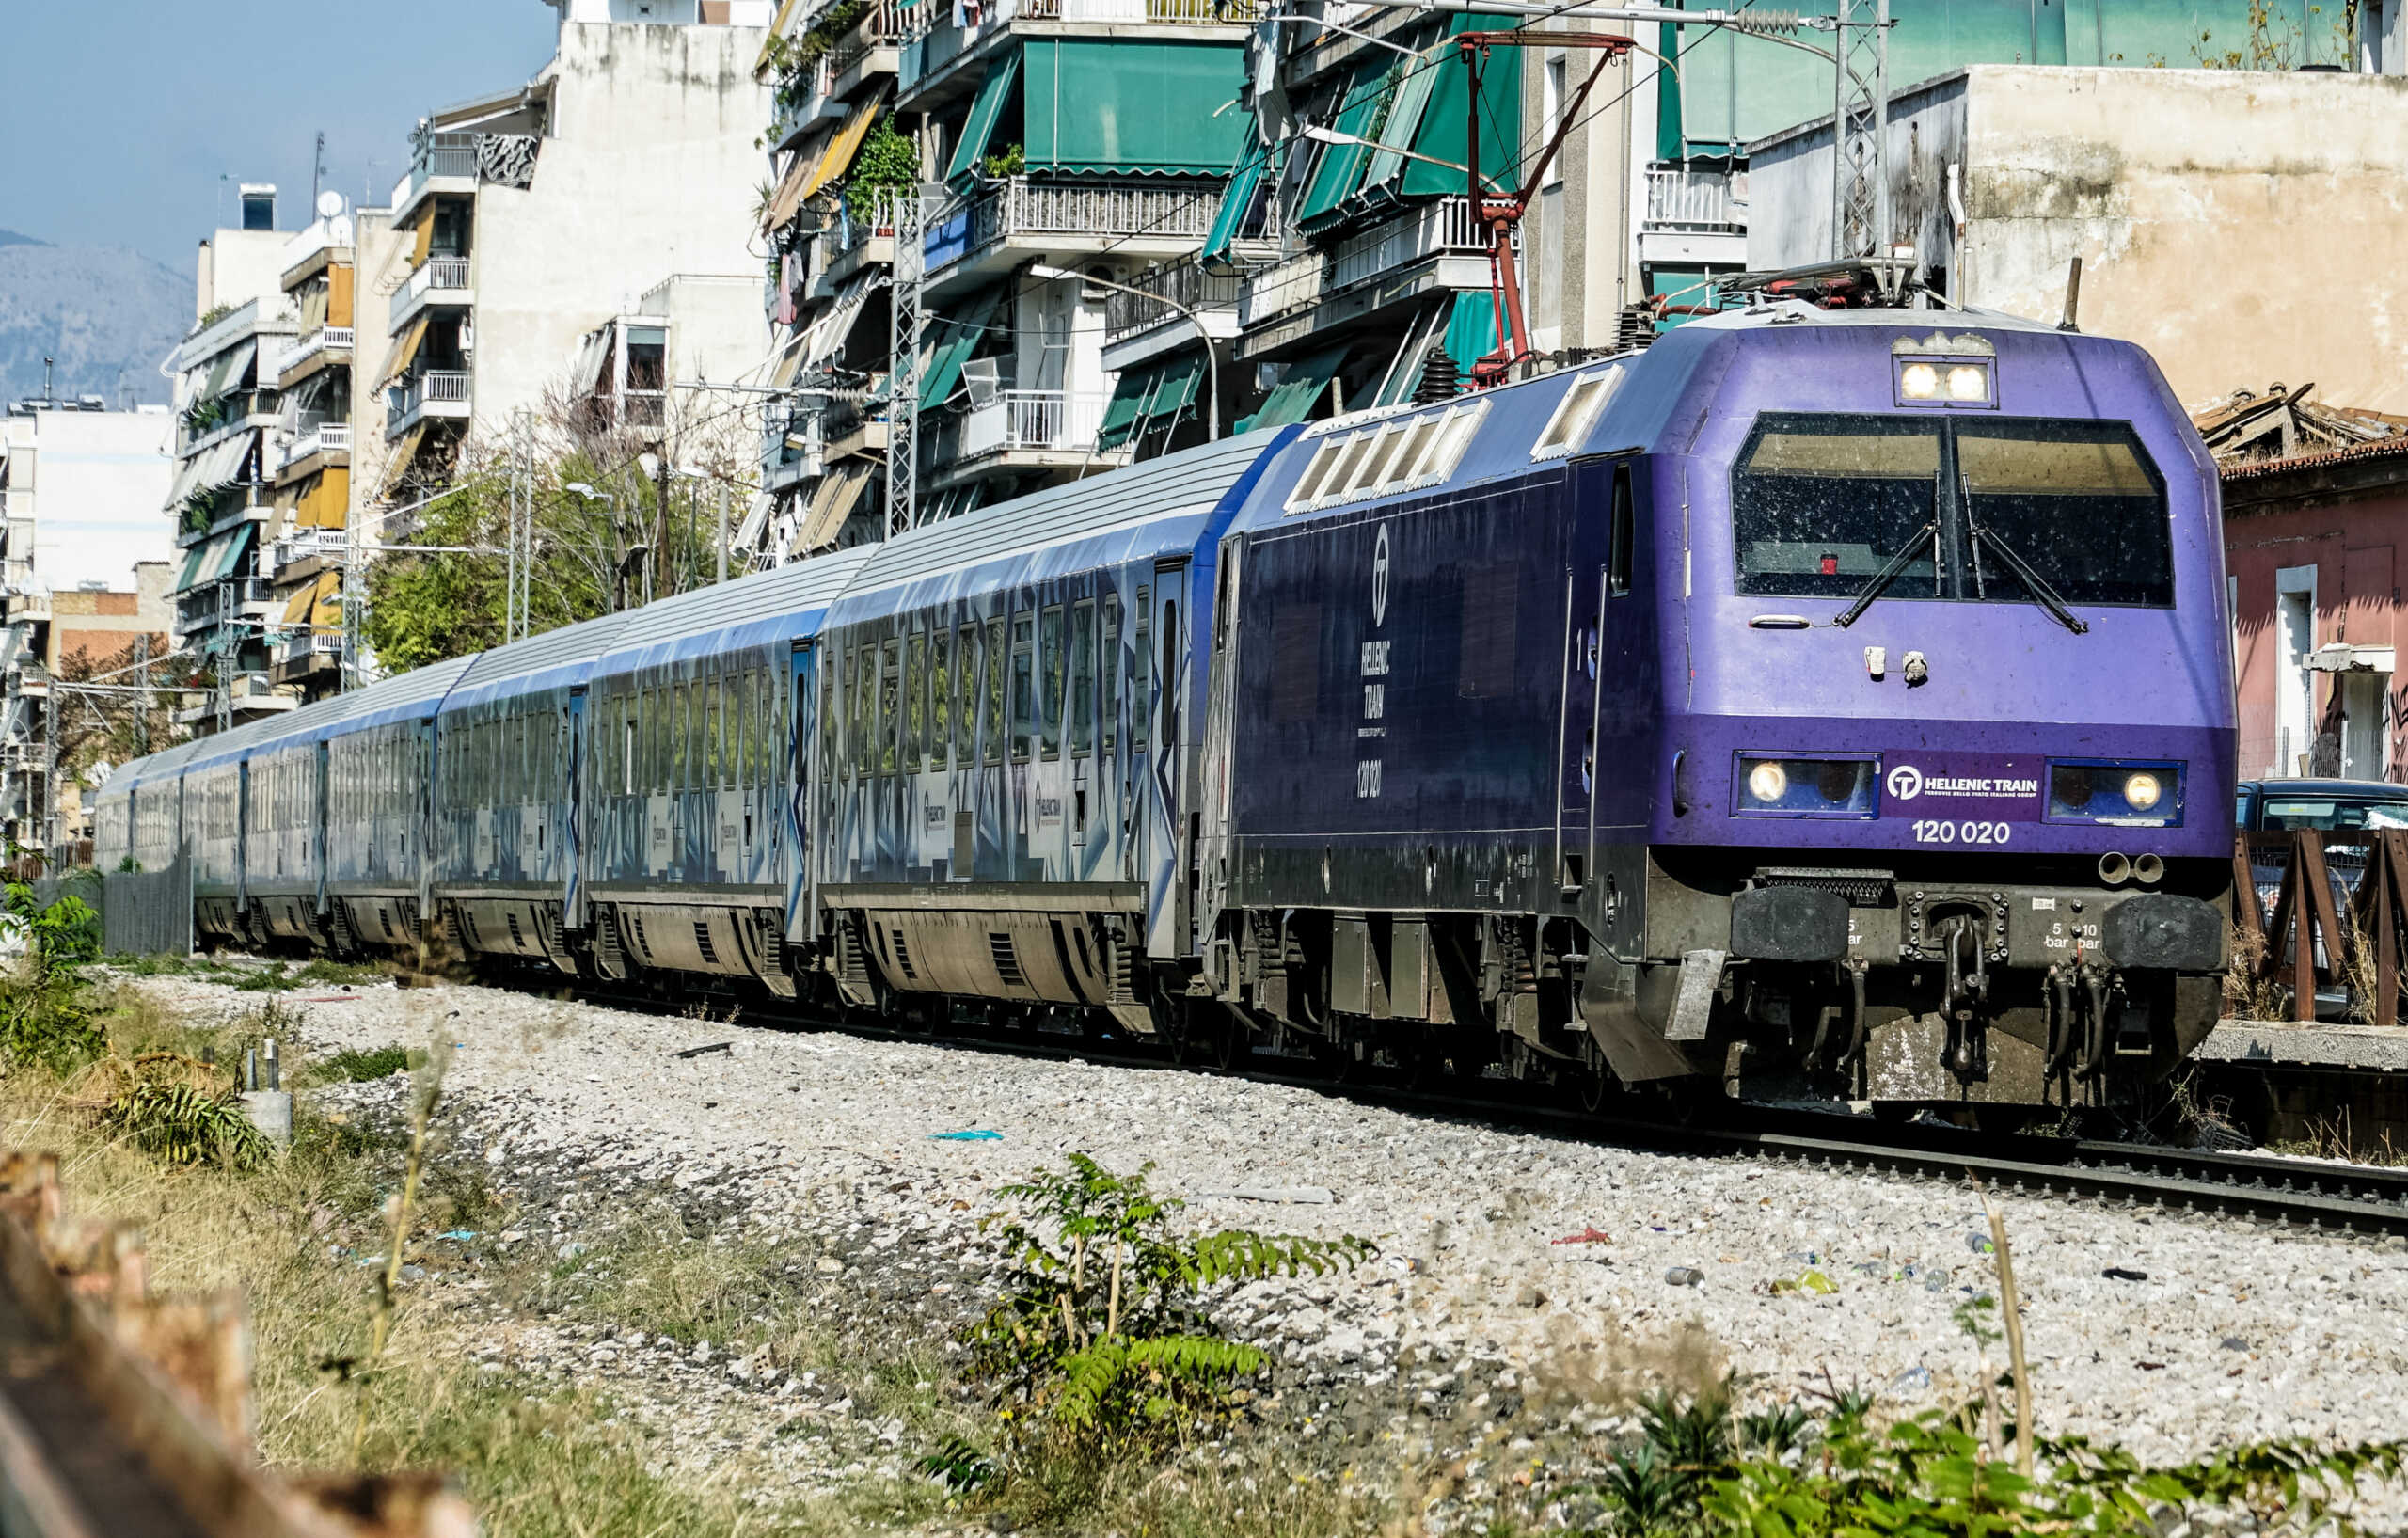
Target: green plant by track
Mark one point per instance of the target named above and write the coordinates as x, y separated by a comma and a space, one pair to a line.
1103, 1343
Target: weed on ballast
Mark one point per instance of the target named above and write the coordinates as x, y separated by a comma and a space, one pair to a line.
1103, 1350
364, 1065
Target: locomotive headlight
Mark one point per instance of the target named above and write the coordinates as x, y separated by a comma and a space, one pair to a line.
2142, 790
1767, 782
1919, 382
1969, 382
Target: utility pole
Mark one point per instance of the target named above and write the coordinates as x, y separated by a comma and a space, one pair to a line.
722, 533
1860, 129
317, 172
142, 701
226, 655
903, 361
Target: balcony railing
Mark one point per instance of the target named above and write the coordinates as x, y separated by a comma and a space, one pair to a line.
304, 545
436, 387
442, 154
1034, 420
1442, 228
439, 273
1680, 199
299, 645
318, 437
880, 26
1021, 207
325, 339
1182, 282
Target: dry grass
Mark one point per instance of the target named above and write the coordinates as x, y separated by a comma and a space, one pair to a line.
2248, 995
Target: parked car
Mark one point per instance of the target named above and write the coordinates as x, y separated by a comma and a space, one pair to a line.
2333, 807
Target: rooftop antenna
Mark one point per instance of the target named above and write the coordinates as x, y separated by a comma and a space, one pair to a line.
318, 168
45, 376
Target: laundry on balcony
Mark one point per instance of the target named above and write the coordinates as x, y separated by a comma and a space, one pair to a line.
1298, 391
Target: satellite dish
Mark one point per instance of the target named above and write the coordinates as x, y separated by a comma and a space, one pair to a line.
980, 377
329, 203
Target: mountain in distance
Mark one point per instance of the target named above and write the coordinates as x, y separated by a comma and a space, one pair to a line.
106, 316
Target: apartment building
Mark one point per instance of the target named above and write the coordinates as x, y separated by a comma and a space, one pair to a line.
221, 499
1063, 147
533, 217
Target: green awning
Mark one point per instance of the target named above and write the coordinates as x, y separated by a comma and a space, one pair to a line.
1112, 108
994, 93
943, 370
236, 542
1341, 165
1130, 396
1471, 330
1243, 182
1385, 166
199, 557
1443, 130
1175, 396
1298, 392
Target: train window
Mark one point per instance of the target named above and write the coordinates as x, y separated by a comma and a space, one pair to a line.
727, 690
1109, 635
782, 687
710, 764
830, 728
1621, 534
2077, 503
1484, 663
1309, 484
1575, 414
862, 726
939, 699
1049, 703
965, 689
1082, 677
1024, 684
1821, 504
991, 737
1141, 679
627, 749
890, 700
915, 708
1169, 669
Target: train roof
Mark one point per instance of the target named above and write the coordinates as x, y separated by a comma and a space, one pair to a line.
553, 660
783, 604
1153, 508
406, 696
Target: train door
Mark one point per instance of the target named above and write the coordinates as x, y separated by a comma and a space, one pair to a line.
794, 835
1585, 582
1166, 830
567, 809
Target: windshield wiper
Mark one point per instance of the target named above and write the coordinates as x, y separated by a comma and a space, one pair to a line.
2042, 593
1887, 575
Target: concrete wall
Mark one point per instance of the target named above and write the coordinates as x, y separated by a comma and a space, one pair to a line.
381, 260
239, 266
97, 481
650, 168
2245, 228
1577, 273
717, 327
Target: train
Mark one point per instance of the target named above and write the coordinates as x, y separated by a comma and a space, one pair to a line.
1825, 703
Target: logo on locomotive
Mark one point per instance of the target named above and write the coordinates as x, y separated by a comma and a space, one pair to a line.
1380, 578
1906, 781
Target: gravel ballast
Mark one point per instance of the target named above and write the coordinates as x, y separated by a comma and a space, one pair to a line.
2172, 1334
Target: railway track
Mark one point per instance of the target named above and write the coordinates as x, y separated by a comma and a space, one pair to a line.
2313, 1195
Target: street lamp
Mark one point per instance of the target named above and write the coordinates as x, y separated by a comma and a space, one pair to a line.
1211, 358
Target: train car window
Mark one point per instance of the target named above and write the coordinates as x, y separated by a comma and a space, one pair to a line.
830, 728
864, 738
1485, 664
1082, 677
890, 701
939, 699
1141, 680
1575, 414
915, 710
1024, 716
710, 764
965, 705
1169, 669
626, 746
727, 705
1621, 533
679, 770
782, 742
1308, 486
1049, 681
2077, 502
990, 736
1108, 636
1820, 504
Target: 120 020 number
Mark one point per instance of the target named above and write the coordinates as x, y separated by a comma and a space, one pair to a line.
1929, 831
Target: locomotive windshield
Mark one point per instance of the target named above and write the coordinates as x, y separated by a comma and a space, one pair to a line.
1821, 504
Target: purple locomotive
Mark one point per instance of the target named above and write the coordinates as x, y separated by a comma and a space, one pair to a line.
1834, 703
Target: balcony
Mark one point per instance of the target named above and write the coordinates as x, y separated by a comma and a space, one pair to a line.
325, 342
438, 163
304, 553
868, 50
1695, 216
1432, 245
438, 394
1001, 225
1029, 429
317, 434
443, 280
1140, 326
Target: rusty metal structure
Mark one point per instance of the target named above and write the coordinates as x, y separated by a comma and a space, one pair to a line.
2323, 930
128, 1415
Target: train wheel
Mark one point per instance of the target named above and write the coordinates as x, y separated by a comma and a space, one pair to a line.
1593, 1088
1231, 1042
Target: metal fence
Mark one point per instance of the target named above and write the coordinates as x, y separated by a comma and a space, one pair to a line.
146, 912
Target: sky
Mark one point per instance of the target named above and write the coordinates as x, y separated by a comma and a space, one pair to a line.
131, 124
